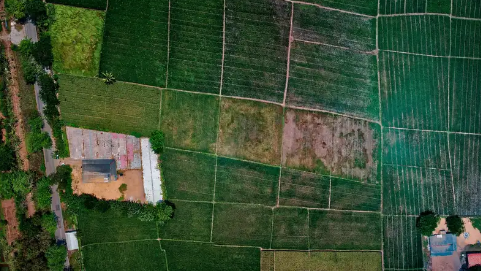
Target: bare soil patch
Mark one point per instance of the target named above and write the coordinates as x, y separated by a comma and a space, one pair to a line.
9, 212
30, 205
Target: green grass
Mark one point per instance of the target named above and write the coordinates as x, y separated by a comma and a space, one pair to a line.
208, 257
466, 8
403, 6
140, 256
191, 221
256, 43
320, 261
250, 130
312, 23
367, 7
121, 107
135, 41
195, 60
190, 121
291, 228
110, 227
249, 225
465, 39
344, 230
333, 79
352, 195
304, 189
476, 221
416, 99
402, 243
190, 176
246, 182
77, 40
93, 4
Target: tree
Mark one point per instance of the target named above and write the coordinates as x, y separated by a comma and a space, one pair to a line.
15, 8
475, 268
6, 185
108, 78
26, 47
455, 224
123, 188
157, 142
36, 11
56, 256
426, 222
42, 51
49, 223
29, 69
43, 194
22, 183
7, 155
36, 141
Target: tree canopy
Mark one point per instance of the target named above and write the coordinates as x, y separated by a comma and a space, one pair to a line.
455, 224
56, 256
157, 142
426, 222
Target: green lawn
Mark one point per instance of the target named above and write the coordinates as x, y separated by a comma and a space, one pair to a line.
77, 40
291, 228
93, 4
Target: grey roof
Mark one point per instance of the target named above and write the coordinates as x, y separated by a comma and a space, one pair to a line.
99, 170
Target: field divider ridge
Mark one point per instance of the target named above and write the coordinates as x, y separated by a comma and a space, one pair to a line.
373, 52
429, 14
291, 38
168, 47
329, 8
427, 55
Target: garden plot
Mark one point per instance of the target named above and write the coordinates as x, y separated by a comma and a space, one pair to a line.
92, 4
195, 58
344, 230
422, 34
89, 144
465, 96
190, 121
246, 182
135, 46
334, 79
465, 150
256, 48
415, 6
402, 244
466, 40
304, 189
330, 144
414, 91
150, 173
315, 24
367, 7
250, 130
467, 8
121, 107
291, 228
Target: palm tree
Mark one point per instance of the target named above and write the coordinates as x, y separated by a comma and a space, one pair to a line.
108, 78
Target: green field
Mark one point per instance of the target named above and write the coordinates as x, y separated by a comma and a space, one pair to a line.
291, 228
304, 189
415, 6
190, 121
402, 244
417, 99
246, 182
353, 195
195, 61
93, 4
466, 41
344, 230
192, 221
77, 40
207, 257
320, 261
111, 227
89, 103
367, 7
197, 179
250, 130
317, 79
467, 8
141, 256
256, 43
249, 225
135, 41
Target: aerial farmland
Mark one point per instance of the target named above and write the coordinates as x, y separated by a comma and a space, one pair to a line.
298, 135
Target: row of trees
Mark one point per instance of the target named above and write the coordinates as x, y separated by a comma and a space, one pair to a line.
428, 221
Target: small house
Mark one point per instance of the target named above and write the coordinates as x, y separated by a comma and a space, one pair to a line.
443, 244
72, 241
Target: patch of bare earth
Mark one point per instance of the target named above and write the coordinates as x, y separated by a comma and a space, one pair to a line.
9, 212
330, 144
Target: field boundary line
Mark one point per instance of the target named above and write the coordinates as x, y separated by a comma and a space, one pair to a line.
291, 39
330, 9
426, 55
322, 250
272, 227
449, 93
160, 107
223, 53
168, 49
433, 131
331, 112
418, 167
120, 242
373, 52
429, 14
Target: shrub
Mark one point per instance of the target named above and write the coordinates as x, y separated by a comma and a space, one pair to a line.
157, 142
56, 256
49, 223
36, 11
455, 224
123, 188
42, 51
15, 8
7, 161
29, 70
476, 221
26, 48
43, 194
37, 141
427, 222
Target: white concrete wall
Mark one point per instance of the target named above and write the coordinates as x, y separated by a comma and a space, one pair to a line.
150, 172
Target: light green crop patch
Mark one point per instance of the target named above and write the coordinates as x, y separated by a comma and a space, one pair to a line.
77, 40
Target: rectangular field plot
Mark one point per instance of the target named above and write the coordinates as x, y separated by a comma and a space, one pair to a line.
315, 24
466, 40
366, 7
402, 244
256, 43
121, 107
352, 195
414, 91
93, 4
334, 79
422, 34
195, 58
409, 190
190, 121
291, 228
135, 41
304, 189
330, 144
192, 221
320, 261
344, 230
416, 148
467, 8
182, 256
141, 256
111, 227
190, 176
403, 6
250, 130
245, 182
465, 95
465, 150
249, 225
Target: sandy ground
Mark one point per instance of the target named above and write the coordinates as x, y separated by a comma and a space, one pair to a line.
30, 205
9, 213
133, 179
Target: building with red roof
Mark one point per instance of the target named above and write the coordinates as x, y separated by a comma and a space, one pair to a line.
474, 258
